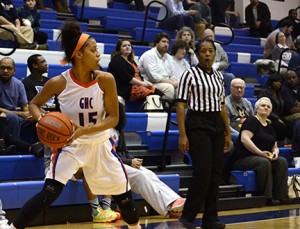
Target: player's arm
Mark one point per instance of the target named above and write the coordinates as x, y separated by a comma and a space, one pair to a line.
54, 86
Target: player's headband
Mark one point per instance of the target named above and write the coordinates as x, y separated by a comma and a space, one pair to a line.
81, 41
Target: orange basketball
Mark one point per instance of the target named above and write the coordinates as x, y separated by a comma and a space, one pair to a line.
54, 129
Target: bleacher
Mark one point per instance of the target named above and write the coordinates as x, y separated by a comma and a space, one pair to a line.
22, 175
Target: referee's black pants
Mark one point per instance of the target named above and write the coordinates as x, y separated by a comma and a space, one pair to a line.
205, 131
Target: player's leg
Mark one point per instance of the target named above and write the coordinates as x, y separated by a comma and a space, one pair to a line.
37, 204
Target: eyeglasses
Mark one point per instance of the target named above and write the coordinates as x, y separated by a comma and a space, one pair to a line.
238, 87
8, 68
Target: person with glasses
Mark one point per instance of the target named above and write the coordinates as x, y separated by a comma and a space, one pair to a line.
238, 108
20, 129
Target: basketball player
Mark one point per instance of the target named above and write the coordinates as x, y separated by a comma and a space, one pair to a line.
89, 98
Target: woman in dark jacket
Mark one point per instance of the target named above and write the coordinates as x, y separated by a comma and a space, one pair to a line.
272, 91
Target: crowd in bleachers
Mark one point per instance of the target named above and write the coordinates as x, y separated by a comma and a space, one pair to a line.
141, 70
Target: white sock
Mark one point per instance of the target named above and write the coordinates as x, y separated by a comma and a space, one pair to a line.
94, 205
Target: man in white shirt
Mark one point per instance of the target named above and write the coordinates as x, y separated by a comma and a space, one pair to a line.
158, 67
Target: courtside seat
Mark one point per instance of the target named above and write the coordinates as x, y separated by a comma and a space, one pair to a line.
55, 24
294, 171
240, 69
97, 13
154, 139
242, 57
138, 49
245, 178
255, 49
54, 70
240, 39
248, 178
21, 167
286, 153
150, 33
21, 71
172, 180
252, 100
249, 91
120, 23
48, 14
126, 6
136, 121
99, 37
17, 193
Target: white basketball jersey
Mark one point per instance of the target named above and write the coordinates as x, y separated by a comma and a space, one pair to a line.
82, 103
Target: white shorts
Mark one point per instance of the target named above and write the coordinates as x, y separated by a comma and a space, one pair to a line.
102, 168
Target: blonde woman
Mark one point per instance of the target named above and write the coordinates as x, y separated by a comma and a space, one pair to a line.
257, 150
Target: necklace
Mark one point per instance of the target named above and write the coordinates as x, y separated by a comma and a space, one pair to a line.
263, 122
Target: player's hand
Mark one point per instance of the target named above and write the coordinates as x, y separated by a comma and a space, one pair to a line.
77, 132
136, 163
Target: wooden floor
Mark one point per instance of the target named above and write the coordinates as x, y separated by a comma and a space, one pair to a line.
281, 217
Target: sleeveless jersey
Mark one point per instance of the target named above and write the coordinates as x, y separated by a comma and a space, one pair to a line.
82, 103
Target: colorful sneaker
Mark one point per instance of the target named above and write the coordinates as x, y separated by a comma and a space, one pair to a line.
109, 211
177, 205
4, 224
104, 216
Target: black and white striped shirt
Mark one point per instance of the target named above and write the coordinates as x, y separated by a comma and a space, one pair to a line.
202, 91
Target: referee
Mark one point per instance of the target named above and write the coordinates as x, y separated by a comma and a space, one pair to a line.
205, 133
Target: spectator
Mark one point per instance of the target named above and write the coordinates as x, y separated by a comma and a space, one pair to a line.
33, 83
280, 46
201, 89
295, 60
30, 16
293, 17
177, 17
139, 4
291, 95
178, 52
218, 8
238, 108
272, 91
5, 148
3, 220
232, 17
9, 19
130, 85
258, 18
221, 61
186, 34
287, 28
158, 67
61, 6
257, 150
14, 104
40, 5
203, 19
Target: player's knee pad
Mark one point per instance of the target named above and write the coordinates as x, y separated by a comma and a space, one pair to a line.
51, 191
127, 207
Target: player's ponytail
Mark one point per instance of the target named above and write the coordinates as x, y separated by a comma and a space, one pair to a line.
69, 36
